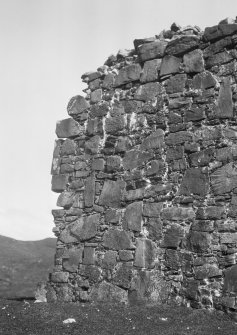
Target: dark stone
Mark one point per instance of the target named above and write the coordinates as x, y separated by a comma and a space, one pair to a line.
148, 91
218, 59
128, 74
89, 193
179, 102
145, 253
210, 212
154, 141
178, 214
111, 193
112, 216
218, 46
150, 70
85, 227
94, 127
135, 158
114, 125
115, 239
194, 182
123, 276
219, 31
224, 102
178, 138
202, 158
108, 81
207, 271
98, 164
59, 277
77, 105
182, 44
230, 280
199, 241
177, 152
194, 114
176, 83
156, 167
172, 260
136, 194
68, 128
89, 76
110, 259
224, 180
133, 216
94, 84
193, 61
59, 182
108, 293
203, 225
170, 65
113, 163
88, 256
152, 209
68, 148
72, 258
92, 273
204, 80
92, 145
173, 236
99, 110
126, 255
155, 229
151, 50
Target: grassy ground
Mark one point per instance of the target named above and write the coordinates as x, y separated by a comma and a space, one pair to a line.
31, 318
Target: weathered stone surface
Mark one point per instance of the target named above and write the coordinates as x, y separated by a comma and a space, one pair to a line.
77, 105
207, 271
59, 277
179, 103
111, 193
96, 96
194, 182
153, 141
115, 124
65, 199
115, 239
145, 253
199, 241
68, 148
176, 83
68, 128
123, 276
155, 229
218, 46
170, 65
110, 259
92, 145
193, 61
150, 70
133, 216
126, 255
224, 180
109, 293
204, 80
178, 214
136, 158
108, 81
172, 260
66, 236
72, 258
99, 110
98, 164
156, 167
88, 256
133, 195
219, 31
230, 280
182, 44
178, 138
89, 193
202, 158
152, 50
194, 114
113, 163
210, 212
148, 91
85, 227
59, 183
224, 102
218, 59
173, 236
152, 209
228, 238
128, 74
94, 127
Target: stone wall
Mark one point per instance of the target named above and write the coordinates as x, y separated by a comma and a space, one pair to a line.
146, 170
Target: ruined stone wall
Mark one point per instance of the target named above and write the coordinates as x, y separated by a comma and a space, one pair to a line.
146, 170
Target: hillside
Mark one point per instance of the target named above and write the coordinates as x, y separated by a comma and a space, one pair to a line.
23, 264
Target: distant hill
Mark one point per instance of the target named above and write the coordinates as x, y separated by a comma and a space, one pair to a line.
23, 264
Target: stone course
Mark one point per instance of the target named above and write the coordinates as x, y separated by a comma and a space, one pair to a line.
146, 171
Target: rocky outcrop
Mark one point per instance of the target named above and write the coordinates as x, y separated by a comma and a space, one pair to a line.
146, 171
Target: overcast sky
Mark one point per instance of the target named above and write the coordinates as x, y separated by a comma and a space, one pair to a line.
46, 45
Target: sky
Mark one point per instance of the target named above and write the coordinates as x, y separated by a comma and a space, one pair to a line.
46, 45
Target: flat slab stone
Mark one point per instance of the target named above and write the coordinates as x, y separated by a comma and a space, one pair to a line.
193, 61
150, 70
224, 180
219, 31
152, 209
128, 74
108, 292
135, 158
72, 258
111, 194
224, 102
194, 182
170, 65
178, 214
151, 50
182, 44
204, 80
77, 105
145, 253
173, 236
230, 280
148, 91
85, 227
59, 182
199, 241
133, 216
115, 239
